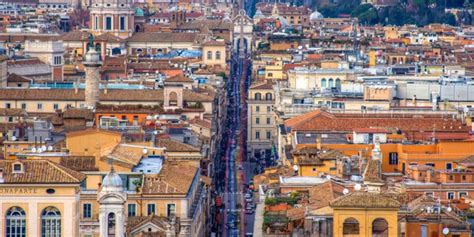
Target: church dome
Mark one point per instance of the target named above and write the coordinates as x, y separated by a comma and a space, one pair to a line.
315, 15
258, 14
112, 182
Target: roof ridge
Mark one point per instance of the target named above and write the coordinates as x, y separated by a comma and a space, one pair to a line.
63, 170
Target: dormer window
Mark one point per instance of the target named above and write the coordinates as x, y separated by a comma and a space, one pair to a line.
17, 167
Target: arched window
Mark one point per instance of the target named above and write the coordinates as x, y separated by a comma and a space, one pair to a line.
218, 55
338, 83
268, 96
258, 96
323, 83
331, 83
15, 222
380, 228
51, 222
209, 55
111, 224
173, 98
350, 227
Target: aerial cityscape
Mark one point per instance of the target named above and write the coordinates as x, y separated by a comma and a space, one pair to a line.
227, 118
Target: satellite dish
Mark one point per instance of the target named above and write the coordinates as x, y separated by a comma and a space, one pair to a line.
155, 132
33, 149
345, 191
39, 150
295, 167
445, 230
357, 187
43, 148
449, 209
300, 47
328, 177
50, 148
145, 151
13, 138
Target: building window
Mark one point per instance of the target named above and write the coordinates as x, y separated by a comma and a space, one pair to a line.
269, 109
57, 60
463, 177
23, 105
257, 120
462, 194
268, 120
15, 222
269, 135
96, 23
51, 222
449, 166
257, 135
17, 168
132, 209
430, 164
108, 23
268, 96
451, 177
380, 227
209, 55
122, 23
257, 108
218, 55
151, 209
87, 210
270, 74
350, 227
331, 83
450, 195
8, 105
258, 96
323, 83
39, 106
55, 106
170, 210
393, 158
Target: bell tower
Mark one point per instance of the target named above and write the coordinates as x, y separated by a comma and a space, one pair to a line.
112, 16
112, 200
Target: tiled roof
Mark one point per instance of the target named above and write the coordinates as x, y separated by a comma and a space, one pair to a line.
135, 222
39, 172
319, 120
322, 194
210, 24
78, 113
268, 85
12, 112
175, 146
111, 95
364, 200
17, 78
75, 36
174, 178
108, 37
79, 163
127, 154
372, 172
201, 122
179, 78
163, 37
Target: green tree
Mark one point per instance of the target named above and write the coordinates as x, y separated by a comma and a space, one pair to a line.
449, 19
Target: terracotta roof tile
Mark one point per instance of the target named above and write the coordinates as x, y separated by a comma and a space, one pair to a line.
175, 146
364, 200
39, 172
79, 163
319, 120
111, 95
174, 178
